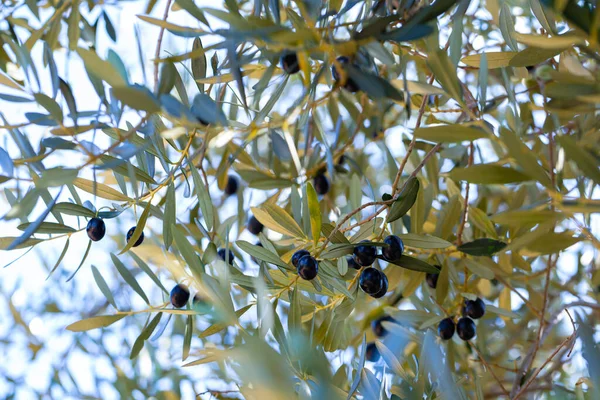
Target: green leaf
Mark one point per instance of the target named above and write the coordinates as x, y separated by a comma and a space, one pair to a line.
48, 227
7, 240
170, 215
139, 229
50, 105
482, 247
137, 98
277, 219
262, 254
187, 339
198, 65
519, 218
338, 238
100, 68
204, 199
60, 258
405, 200
31, 228
315, 213
585, 161
524, 157
74, 31
73, 209
218, 327
101, 321
128, 277
123, 168
532, 56
479, 269
103, 286
57, 177
424, 241
553, 242
488, 174
450, 133
507, 27
187, 251
480, 219
99, 189
145, 335
495, 59
295, 316
445, 73
443, 285
144, 267
415, 264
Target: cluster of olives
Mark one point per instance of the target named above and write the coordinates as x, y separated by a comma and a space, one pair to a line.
96, 229
289, 63
465, 327
372, 281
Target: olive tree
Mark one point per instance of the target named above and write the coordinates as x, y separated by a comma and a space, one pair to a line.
301, 199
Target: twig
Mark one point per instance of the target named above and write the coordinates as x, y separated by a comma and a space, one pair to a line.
413, 140
537, 372
465, 214
159, 43
489, 368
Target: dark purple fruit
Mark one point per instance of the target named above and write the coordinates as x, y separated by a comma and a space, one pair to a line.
352, 263
350, 85
371, 353
384, 287
378, 328
446, 328
254, 226
465, 328
474, 308
298, 255
371, 281
365, 255
321, 184
232, 185
432, 279
180, 295
307, 268
394, 249
289, 62
130, 234
222, 255
96, 229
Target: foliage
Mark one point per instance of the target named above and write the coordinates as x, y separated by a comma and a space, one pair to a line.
467, 128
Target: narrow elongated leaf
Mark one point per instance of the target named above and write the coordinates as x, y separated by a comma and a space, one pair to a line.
139, 229
261, 253
584, 160
482, 247
315, 212
99, 189
277, 219
415, 264
450, 133
405, 200
129, 278
103, 286
101, 321
170, 215
488, 174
